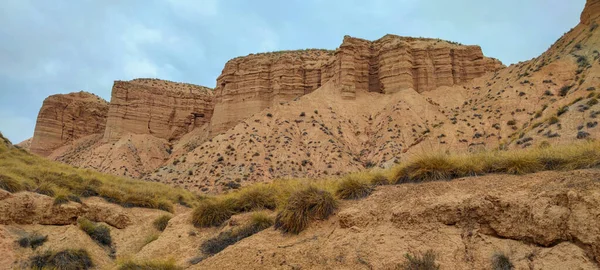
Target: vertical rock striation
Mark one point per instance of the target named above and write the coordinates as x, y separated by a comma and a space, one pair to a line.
164, 109
65, 118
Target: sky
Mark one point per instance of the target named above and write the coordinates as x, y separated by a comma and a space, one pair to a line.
63, 46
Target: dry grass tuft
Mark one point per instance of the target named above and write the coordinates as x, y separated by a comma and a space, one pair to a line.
258, 222
445, 167
98, 232
161, 222
148, 265
256, 197
69, 259
353, 188
419, 262
302, 206
213, 212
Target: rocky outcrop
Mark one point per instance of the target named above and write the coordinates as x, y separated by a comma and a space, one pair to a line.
393, 63
591, 12
65, 118
160, 108
250, 84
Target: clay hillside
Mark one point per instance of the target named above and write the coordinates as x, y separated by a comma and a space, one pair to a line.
317, 113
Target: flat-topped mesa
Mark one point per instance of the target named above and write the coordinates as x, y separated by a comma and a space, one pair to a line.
393, 63
250, 84
65, 118
161, 108
591, 12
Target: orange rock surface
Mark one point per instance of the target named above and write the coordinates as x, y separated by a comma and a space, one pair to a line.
65, 118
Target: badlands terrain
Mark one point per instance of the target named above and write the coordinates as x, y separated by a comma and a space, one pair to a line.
321, 159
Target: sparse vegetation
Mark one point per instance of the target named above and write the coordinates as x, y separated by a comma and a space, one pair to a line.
32, 240
419, 262
553, 120
161, 222
22, 171
258, 222
213, 212
98, 232
352, 188
446, 167
501, 262
562, 110
303, 206
69, 259
148, 265
564, 90
379, 179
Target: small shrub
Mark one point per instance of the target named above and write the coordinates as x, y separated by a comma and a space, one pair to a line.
501, 262
511, 122
303, 206
553, 120
419, 262
32, 240
352, 188
269, 115
592, 102
98, 232
69, 259
562, 110
564, 90
161, 222
10, 184
213, 212
148, 265
302, 114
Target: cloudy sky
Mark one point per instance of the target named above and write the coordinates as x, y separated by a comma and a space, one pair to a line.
61, 46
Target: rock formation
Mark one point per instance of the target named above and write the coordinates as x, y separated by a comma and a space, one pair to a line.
160, 108
393, 63
65, 118
250, 84
591, 12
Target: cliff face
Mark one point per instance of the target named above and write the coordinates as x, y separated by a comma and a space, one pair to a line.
591, 12
65, 118
393, 63
250, 84
160, 108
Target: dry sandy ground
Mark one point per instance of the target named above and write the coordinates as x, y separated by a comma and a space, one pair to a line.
546, 220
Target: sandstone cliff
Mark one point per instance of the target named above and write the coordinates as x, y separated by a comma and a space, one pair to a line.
65, 118
250, 84
393, 63
160, 108
591, 12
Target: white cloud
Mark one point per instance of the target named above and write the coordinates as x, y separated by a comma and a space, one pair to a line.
191, 9
140, 68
